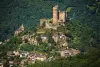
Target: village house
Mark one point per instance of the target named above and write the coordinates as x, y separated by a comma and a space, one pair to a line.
16, 53
36, 56
69, 52
61, 39
13, 53
44, 38
22, 63
13, 63
24, 54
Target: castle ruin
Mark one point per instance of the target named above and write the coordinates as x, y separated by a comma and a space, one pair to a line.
58, 15
59, 18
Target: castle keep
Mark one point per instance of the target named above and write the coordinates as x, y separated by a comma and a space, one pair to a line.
55, 14
58, 16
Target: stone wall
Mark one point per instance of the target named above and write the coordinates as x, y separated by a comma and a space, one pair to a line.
62, 16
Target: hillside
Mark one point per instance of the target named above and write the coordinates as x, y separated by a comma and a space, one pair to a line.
13, 13
74, 42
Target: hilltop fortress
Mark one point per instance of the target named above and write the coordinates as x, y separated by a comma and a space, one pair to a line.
59, 18
46, 40
58, 15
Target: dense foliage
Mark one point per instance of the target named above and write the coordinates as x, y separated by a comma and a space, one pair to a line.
82, 36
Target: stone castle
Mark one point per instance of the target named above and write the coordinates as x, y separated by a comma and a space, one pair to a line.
59, 18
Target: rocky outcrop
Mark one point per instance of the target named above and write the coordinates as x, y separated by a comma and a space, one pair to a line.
18, 31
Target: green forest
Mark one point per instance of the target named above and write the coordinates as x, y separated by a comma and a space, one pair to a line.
83, 28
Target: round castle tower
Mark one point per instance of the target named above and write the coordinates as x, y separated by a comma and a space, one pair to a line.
55, 14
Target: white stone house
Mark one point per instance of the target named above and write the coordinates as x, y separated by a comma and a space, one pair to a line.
16, 53
44, 38
24, 54
13, 53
